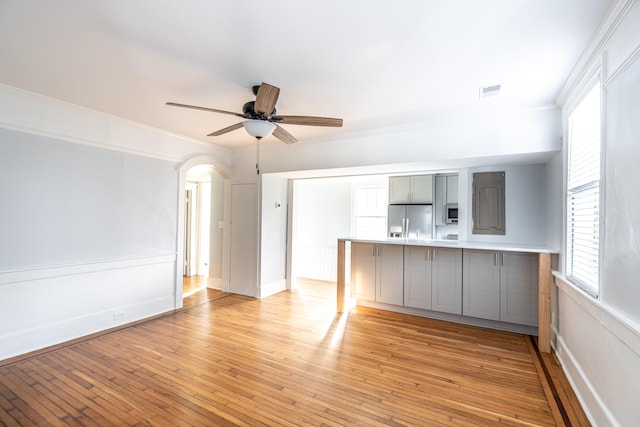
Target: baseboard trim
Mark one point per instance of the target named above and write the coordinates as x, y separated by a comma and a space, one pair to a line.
54, 347
456, 318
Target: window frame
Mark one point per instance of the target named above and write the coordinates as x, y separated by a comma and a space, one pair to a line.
590, 84
355, 189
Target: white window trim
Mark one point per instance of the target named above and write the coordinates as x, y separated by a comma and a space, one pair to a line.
593, 77
354, 190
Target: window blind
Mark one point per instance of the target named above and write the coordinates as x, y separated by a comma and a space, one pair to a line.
370, 212
583, 193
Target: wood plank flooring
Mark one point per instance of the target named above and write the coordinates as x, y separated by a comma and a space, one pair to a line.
287, 360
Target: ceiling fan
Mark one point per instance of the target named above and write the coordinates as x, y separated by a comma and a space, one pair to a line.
261, 119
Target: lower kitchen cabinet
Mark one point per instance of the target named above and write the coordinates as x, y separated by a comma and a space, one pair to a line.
433, 278
446, 280
501, 286
377, 272
485, 284
417, 277
519, 288
363, 270
481, 284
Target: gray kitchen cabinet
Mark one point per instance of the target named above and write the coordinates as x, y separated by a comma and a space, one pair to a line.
399, 189
433, 278
446, 193
481, 284
440, 200
363, 270
377, 272
452, 189
414, 189
389, 274
501, 286
519, 288
417, 277
446, 280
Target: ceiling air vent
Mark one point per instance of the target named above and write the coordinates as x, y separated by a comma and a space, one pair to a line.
488, 91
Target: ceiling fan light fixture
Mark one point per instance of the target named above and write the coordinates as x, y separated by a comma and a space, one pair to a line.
258, 128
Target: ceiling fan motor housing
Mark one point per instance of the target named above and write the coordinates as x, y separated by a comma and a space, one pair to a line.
248, 109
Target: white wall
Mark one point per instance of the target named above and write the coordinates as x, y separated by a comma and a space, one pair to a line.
322, 213
89, 220
273, 235
598, 340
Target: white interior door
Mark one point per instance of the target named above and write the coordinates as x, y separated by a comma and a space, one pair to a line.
244, 239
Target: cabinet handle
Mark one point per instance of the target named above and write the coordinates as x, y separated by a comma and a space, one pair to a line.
495, 259
434, 255
502, 260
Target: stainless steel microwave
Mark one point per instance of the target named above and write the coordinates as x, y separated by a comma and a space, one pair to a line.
452, 213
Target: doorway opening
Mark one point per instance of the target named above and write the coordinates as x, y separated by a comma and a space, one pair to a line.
202, 249
325, 209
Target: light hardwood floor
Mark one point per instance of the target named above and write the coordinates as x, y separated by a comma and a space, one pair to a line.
285, 360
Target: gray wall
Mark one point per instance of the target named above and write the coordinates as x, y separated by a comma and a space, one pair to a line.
68, 203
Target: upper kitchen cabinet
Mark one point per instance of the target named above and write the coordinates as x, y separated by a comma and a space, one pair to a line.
452, 189
416, 189
488, 204
446, 196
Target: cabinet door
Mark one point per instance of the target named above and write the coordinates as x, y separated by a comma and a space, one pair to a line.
519, 288
481, 284
417, 277
422, 189
389, 272
399, 189
452, 189
440, 200
446, 280
363, 270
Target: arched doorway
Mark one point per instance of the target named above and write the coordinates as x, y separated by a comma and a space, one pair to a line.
200, 224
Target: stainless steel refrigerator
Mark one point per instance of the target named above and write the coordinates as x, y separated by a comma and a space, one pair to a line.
410, 221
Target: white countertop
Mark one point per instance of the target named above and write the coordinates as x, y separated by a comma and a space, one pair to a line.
458, 244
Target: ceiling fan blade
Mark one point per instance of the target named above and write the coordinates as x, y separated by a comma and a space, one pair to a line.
227, 129
308, 121
283, 135
266, 98
195, 107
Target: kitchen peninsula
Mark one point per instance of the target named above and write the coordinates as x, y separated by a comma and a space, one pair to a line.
505, 286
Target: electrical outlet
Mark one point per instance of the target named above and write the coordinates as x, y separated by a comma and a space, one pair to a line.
118, 315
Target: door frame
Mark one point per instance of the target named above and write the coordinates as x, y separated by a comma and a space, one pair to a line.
225, 172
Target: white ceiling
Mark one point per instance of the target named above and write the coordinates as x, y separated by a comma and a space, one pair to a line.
374, 63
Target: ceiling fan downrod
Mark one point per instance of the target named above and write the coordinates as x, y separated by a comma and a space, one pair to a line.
258, 138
